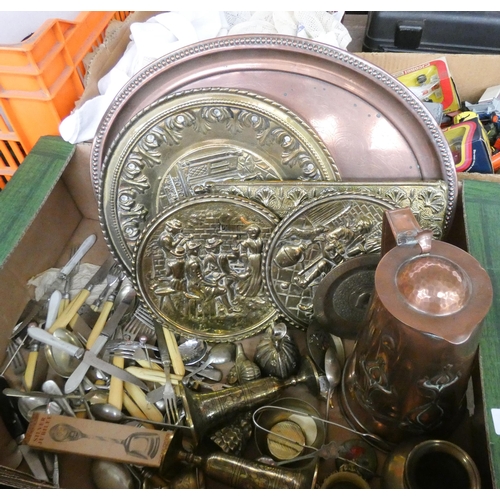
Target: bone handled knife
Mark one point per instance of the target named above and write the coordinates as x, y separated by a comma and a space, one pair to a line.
67, 315
76, 377
88, 359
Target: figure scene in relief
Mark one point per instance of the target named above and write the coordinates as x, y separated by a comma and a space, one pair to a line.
203, 276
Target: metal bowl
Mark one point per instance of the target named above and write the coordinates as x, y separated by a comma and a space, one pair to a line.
292, 426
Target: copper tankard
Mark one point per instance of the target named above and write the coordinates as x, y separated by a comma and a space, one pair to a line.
408, 373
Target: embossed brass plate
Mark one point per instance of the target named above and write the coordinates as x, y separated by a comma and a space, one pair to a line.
427, 199
313, 240
169, 150
198, 268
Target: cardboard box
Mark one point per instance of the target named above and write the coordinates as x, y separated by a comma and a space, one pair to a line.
50, 206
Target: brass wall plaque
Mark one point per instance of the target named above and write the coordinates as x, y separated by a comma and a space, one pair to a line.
170, 149
311, 241
198, 268
427, 199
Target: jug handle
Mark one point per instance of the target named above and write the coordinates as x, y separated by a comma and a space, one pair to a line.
399, 227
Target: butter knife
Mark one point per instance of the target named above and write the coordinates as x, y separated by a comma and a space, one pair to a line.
88, 359
80, 371
67, 315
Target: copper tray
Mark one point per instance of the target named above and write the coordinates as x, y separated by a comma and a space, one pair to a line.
372, 125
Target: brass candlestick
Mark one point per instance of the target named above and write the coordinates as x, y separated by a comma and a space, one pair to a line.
206, 411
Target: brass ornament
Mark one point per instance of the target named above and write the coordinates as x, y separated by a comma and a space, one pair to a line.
173, 147
277, 354
198, 268
426, 199
312, 241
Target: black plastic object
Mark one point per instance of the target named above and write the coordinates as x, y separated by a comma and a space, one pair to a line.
13, 421
441, 32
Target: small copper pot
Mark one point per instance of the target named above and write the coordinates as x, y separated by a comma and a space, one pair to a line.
408, 373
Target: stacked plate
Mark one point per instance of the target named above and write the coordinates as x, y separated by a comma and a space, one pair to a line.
234, 175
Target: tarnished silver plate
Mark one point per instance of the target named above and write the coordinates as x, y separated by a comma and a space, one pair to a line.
198, 268
426, 199
173, 147
312, 241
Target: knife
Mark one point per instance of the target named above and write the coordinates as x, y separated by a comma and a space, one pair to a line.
109, 328
88, 359
62, 275
77, 257
73, 307
14, 422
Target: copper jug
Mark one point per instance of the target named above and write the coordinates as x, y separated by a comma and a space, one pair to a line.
408, 373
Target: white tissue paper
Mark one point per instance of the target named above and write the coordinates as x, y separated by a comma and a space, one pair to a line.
171, 31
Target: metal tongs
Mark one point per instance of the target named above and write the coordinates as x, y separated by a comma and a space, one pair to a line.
328, 450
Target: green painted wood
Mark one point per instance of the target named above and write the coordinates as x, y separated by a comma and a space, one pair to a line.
481, 202
25, 193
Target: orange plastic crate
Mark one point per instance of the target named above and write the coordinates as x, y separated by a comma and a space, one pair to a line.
40, 81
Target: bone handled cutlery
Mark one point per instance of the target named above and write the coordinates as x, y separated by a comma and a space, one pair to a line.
67, 315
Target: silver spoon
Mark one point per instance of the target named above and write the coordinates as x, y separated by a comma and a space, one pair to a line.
110, 413
192, 351
218, 355
333, 373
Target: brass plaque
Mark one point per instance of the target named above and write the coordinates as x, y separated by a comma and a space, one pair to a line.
198, 268
311, 241
427, 199
172, 148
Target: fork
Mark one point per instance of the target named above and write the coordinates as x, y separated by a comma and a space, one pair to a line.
169, 396
140, 325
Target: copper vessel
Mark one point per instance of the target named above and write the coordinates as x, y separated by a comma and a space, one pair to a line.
407, 375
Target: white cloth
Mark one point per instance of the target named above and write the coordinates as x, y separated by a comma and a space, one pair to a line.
170, 31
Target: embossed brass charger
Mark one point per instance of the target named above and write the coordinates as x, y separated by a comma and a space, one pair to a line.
173, 147
374, 127
198, 268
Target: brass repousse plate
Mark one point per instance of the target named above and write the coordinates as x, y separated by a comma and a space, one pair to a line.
427, 199
198, 268
374, 126
173, 147
311, 241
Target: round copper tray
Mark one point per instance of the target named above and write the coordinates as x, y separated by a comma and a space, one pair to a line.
372, 125
173, 148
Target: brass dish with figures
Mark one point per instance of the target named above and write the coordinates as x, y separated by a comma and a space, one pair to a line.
314, 239
171, 149
198, 268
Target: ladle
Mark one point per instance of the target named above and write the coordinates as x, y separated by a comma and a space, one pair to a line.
333, 373
110, 413
218, 355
